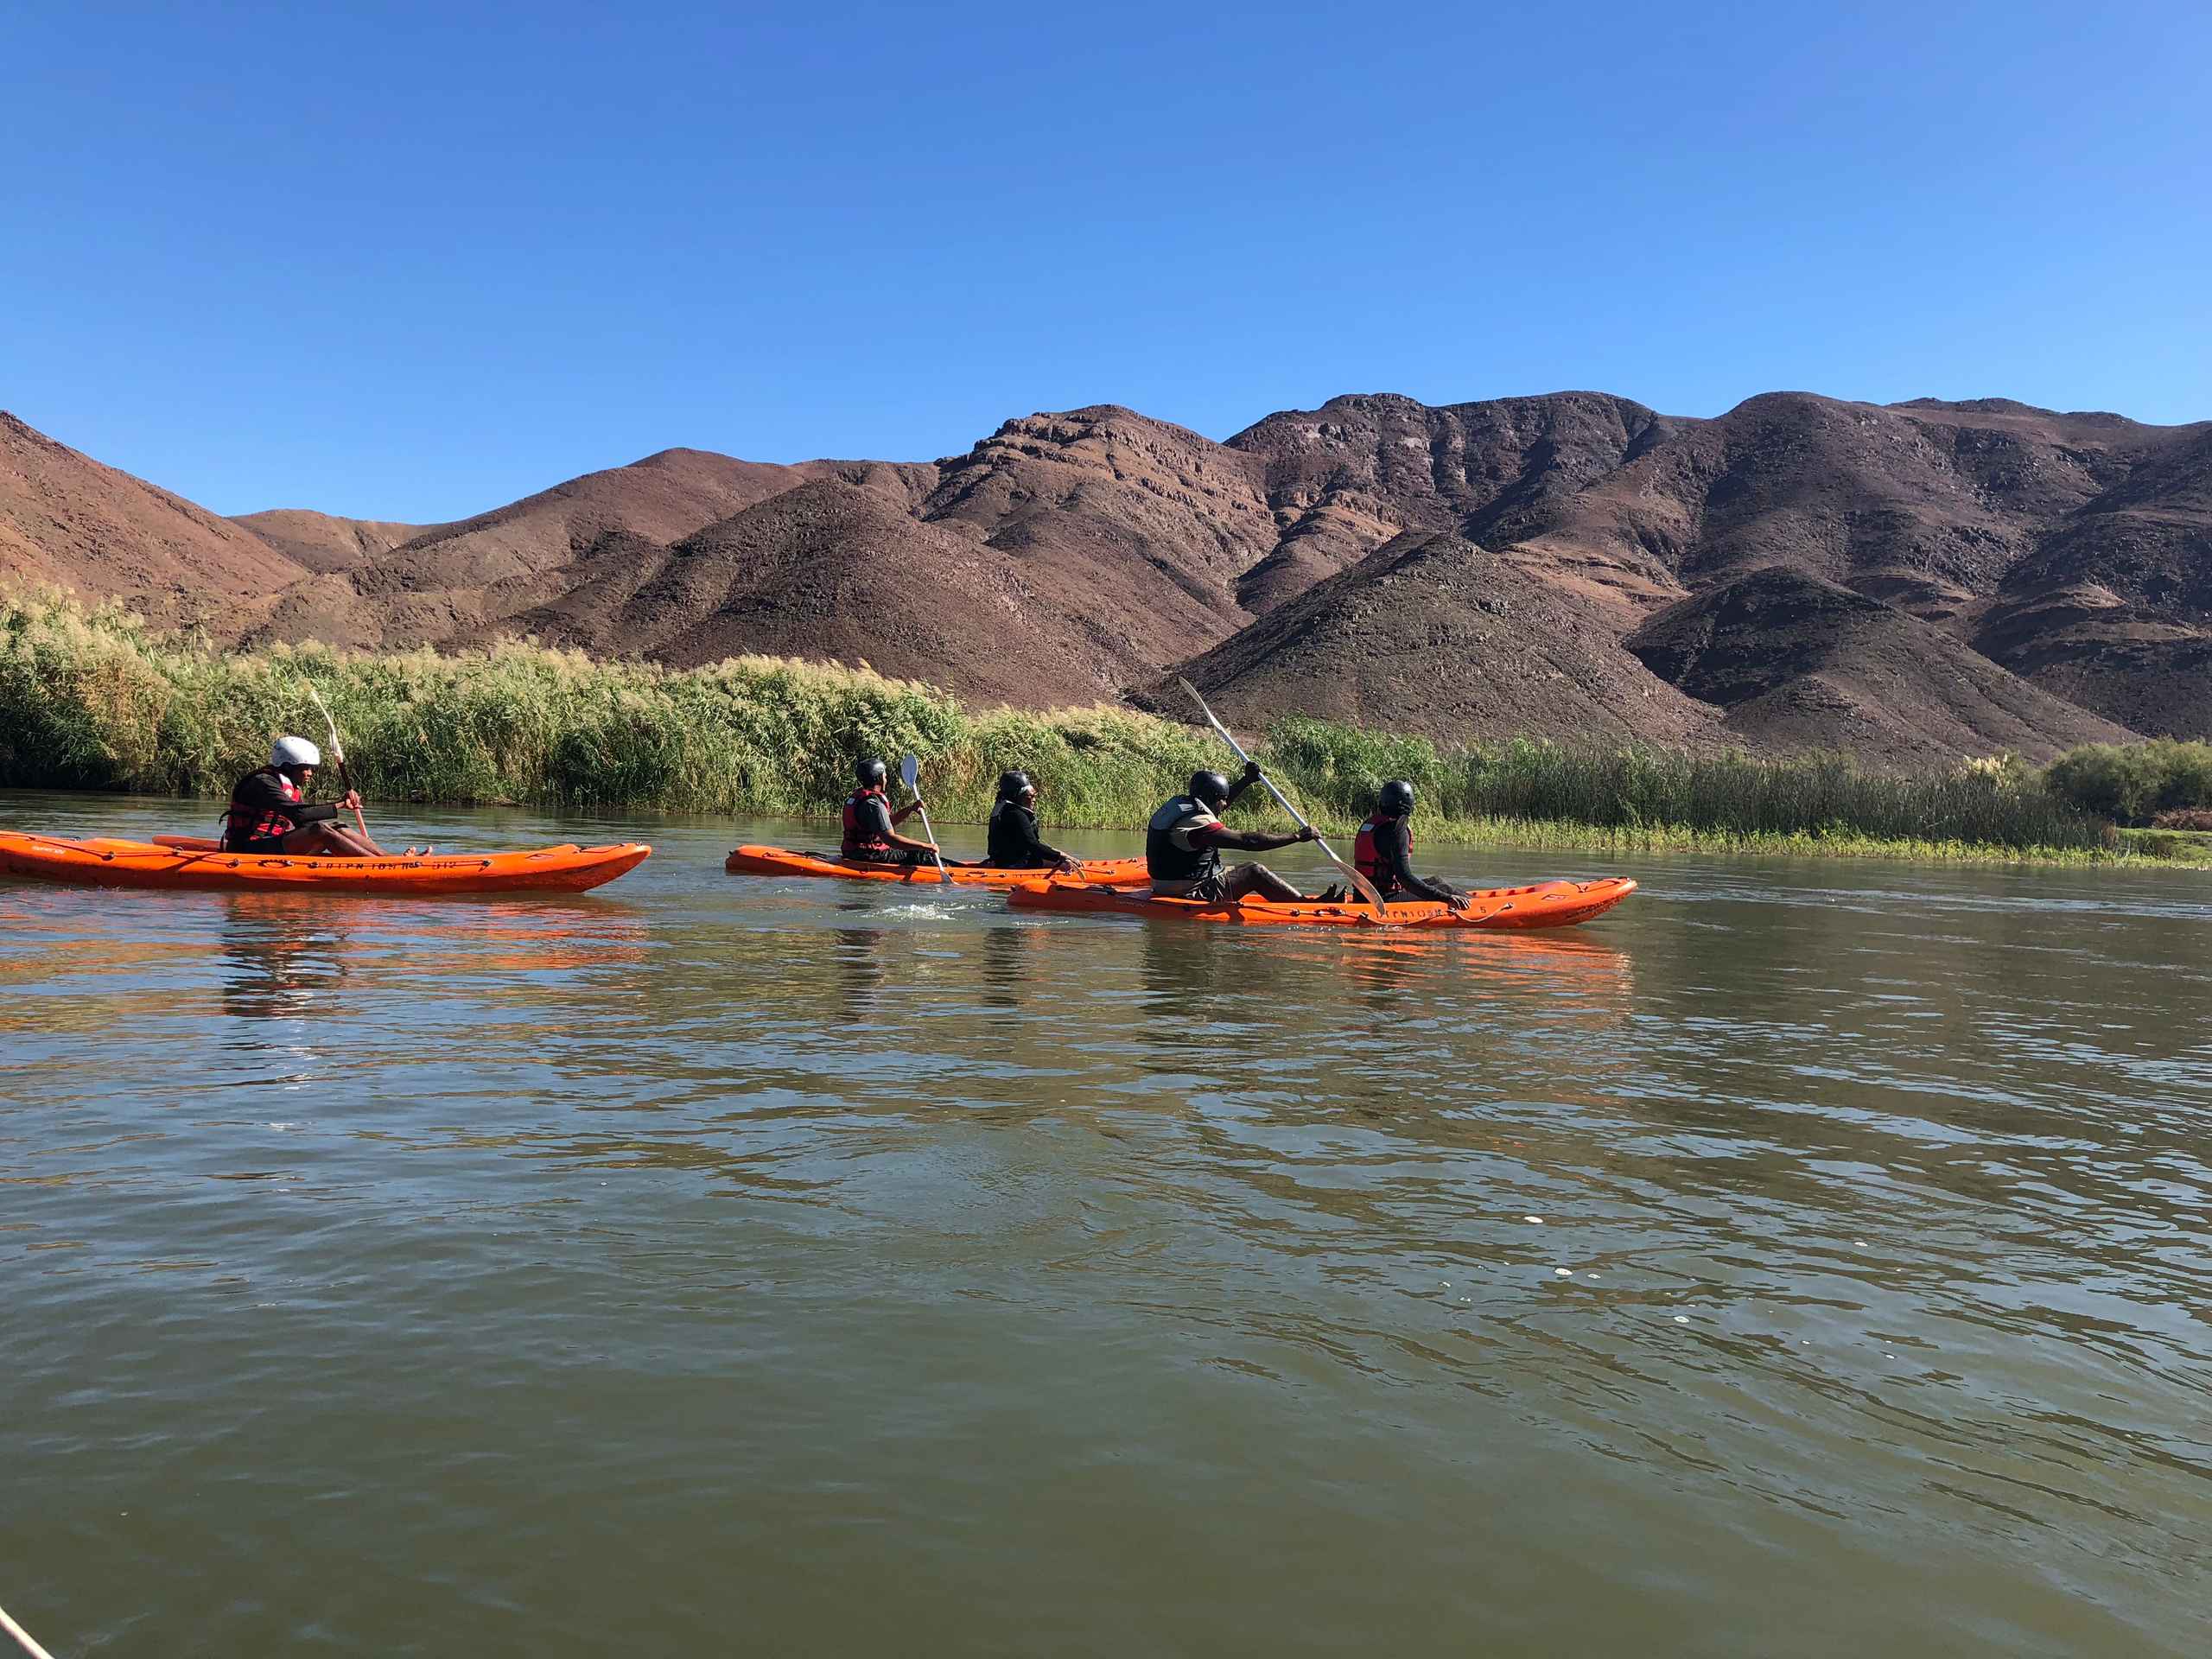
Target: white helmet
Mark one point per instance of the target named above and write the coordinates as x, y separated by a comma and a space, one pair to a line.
294, 752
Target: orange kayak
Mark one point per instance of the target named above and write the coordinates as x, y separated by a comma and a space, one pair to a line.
777, 861
1546, 904
106, 863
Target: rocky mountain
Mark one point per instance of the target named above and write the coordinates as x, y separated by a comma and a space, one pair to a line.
67, 521
320, 543
1913, 581
1433, 633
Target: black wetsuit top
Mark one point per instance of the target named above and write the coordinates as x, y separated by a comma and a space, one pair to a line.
1014, 843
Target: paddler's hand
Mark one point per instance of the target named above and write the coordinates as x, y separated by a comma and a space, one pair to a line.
352, 801
1251, 772
1306, 832
1459, 901
1067, 867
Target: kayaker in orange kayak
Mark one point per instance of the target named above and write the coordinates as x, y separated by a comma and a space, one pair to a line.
1183, 841
270, 811
1014, 843
871, 832
1383, 851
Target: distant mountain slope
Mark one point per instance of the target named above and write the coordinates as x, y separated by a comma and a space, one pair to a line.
1795, 662
1431, 633
1911, 581
2114, 609
1346, 477
838, 570
1138, 528
323, 543
67, 520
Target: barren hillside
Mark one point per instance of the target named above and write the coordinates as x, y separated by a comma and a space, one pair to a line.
1909, 582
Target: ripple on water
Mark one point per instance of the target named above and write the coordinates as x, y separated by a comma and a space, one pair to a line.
674, 1259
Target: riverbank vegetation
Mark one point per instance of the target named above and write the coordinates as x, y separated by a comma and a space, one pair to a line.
90, 699
2163, 783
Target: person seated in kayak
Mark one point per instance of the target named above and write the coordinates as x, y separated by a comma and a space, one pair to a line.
1184, 843
1014, 843
270, 811
871, 832
1384, 849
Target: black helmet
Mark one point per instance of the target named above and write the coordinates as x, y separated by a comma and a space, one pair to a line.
872, 771
1209, 786
1013, 784
1394, 798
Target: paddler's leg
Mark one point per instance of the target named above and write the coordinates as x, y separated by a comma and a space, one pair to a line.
1260, 879
327, 840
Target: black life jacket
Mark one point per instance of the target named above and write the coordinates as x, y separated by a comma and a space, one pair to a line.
1163, 860
1368, 860
1013, 838
244, 824
860, 843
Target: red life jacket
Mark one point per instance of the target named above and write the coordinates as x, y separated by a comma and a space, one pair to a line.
858, 843
242, 824
1368, 863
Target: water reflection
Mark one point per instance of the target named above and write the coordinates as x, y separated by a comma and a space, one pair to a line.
1007, 964
283, 959
861, 967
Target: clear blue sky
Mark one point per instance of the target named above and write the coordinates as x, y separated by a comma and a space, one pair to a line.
412, 261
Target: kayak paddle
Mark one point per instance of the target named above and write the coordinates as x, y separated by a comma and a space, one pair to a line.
338, 754
1366, 888
909, 770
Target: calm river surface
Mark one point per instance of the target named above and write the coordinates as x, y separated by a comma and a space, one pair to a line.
1807, 1258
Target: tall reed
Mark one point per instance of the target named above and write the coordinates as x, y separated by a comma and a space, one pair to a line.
90, 699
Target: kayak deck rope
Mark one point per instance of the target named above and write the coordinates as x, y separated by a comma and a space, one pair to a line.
23, 1635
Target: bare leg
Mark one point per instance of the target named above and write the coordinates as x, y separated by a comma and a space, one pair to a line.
1257, 879
327, 840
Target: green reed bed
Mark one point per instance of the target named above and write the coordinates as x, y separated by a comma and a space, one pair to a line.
90, 699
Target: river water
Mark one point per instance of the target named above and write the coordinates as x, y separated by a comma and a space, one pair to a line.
1806, 1258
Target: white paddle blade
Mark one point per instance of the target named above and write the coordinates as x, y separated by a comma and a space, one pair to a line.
909, 770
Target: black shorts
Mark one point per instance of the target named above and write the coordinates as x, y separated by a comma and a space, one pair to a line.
258, 844
898, 856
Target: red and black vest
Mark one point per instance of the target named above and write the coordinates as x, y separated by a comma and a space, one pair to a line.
1368, 862
862, 840
243, 825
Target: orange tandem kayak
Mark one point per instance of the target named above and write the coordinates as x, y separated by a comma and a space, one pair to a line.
778, 861
108, 864
1545, 904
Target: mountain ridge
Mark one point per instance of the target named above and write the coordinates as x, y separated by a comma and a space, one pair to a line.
1909, 580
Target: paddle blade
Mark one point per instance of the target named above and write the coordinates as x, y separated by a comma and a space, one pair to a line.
909, 770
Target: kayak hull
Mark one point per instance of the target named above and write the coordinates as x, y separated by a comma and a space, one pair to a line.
1544, 903
112, 863
779, 861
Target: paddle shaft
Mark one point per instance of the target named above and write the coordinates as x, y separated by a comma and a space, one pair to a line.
944, 878
338, 754
23, 1635
909, 774
1366, 888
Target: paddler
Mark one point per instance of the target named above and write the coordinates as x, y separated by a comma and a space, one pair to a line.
871, 832
270, 811
1014, 843
1384, 848
1183, 841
